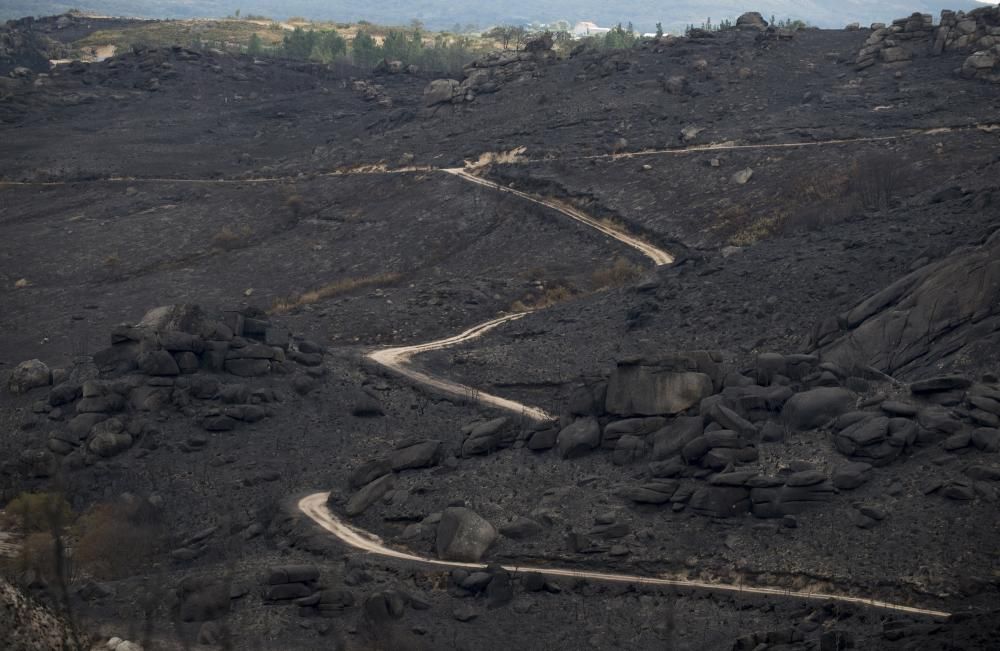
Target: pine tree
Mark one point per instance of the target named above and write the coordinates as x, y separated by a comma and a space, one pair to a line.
255, 47
365, 50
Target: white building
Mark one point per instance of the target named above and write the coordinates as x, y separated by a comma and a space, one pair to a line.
586, 28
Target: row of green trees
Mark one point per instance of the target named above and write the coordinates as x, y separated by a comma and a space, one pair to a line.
445, 54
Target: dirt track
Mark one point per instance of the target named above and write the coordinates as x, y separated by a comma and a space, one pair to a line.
314, 506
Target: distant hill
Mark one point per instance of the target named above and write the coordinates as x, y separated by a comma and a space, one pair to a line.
443, 14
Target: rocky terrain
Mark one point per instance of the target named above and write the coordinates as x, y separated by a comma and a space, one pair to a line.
204, 251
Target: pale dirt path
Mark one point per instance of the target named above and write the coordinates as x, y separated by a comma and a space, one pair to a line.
315, 507
658, 256
395, 359
382, 168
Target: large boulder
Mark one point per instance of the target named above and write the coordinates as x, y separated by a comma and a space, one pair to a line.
720, 501
157, 363
462, 535
29, 375
440, 91
368, 495
109, 438
653, 388
751, 20
670, 440
814, 408
419, 454
485, 437
579, 438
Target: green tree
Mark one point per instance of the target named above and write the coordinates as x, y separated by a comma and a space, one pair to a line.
255, 47
365, 50
329, 46
620, 38
659, 30
299, 44
396, 46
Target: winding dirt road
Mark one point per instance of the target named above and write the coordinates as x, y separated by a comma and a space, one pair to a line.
395, 360
315, 507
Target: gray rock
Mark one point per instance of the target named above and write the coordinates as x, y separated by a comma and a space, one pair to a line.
485, 437
629, 449
579, 438
769, 366
638, 388
248, 367
368, 495
543, 439
983, 472
423, 454
720, 501
986, 439
440, 91
670, 440
654, 492
730, 420
851, 475
814, 408
109, 438
64, 393
742, 177
521, 529
158, 363
462, 535
277, 574
29, 375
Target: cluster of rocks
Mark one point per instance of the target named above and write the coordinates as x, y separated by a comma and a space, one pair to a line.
175, 359
301, 586
977, 31
695, 428
490, 73
371, 92
394, 67
687, 417
892, 44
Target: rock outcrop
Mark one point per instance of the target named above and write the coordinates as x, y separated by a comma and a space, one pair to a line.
925, 321
976, 32
490, 73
